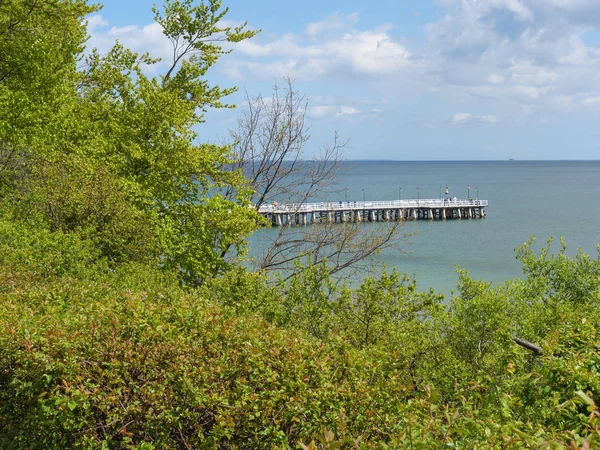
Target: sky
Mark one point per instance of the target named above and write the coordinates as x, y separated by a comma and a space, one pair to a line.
408, 79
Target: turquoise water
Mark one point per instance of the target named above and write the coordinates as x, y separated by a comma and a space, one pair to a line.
541, 198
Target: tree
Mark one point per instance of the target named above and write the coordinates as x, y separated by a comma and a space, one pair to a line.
138, 130
148, 129
40, 45
270, 148
97, 209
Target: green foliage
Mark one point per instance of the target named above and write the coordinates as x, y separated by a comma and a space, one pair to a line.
381, 310
478, 322
569, 383
73, 197
193, 30
31, 255
310, 301
126, 359
245, 293
40, 44
557, 278
113, 128
94, 356
385, 309
141, 129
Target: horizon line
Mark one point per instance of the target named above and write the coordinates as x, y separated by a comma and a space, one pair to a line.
470, 160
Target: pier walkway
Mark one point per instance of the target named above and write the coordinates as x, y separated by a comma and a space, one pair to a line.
413, 209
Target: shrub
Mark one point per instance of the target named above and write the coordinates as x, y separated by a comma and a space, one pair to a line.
95, 363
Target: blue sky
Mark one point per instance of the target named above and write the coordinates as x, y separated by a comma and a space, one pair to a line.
408, 79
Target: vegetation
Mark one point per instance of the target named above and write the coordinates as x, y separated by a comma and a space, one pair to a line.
126, 323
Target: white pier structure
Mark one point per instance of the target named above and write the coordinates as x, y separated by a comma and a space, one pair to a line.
329, 212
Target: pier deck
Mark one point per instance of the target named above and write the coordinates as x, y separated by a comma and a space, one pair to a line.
413, 209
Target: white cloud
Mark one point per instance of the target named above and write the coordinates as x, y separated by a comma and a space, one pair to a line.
520, 54
584, 12
347, 111
341, 49
464, 119
525, 72
494, 78
327, 111
279, 46
149, 38
529, 52
591, 100
514, 6
531, 92
321, 111
344, 52
96, 21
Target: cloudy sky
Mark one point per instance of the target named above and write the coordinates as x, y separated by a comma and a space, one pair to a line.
411, 79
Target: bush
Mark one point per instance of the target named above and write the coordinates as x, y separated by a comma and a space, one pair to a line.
97, 363
93, 356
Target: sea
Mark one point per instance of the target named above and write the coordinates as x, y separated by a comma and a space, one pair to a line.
526, 198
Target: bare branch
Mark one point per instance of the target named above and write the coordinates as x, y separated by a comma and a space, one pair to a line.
528, 345
269, 148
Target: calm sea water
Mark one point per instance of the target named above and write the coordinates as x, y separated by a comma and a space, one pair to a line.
541, 198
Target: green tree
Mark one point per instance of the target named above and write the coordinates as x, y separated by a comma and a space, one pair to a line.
41, 43
148, 138
138, 130
97, 209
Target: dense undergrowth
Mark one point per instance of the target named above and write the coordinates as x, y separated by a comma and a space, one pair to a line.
93, 357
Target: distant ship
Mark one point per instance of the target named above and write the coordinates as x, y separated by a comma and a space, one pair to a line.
511, 159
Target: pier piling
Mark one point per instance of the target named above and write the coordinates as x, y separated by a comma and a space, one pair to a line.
421, 209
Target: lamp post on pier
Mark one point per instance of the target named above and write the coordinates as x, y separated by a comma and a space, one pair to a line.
400, 193
363, 191
418, 196
440, 191
468, 192
477, 189
346, 195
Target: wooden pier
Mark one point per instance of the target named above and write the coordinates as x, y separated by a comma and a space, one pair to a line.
331, 212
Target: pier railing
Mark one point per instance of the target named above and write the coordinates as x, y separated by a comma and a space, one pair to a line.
362, 206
